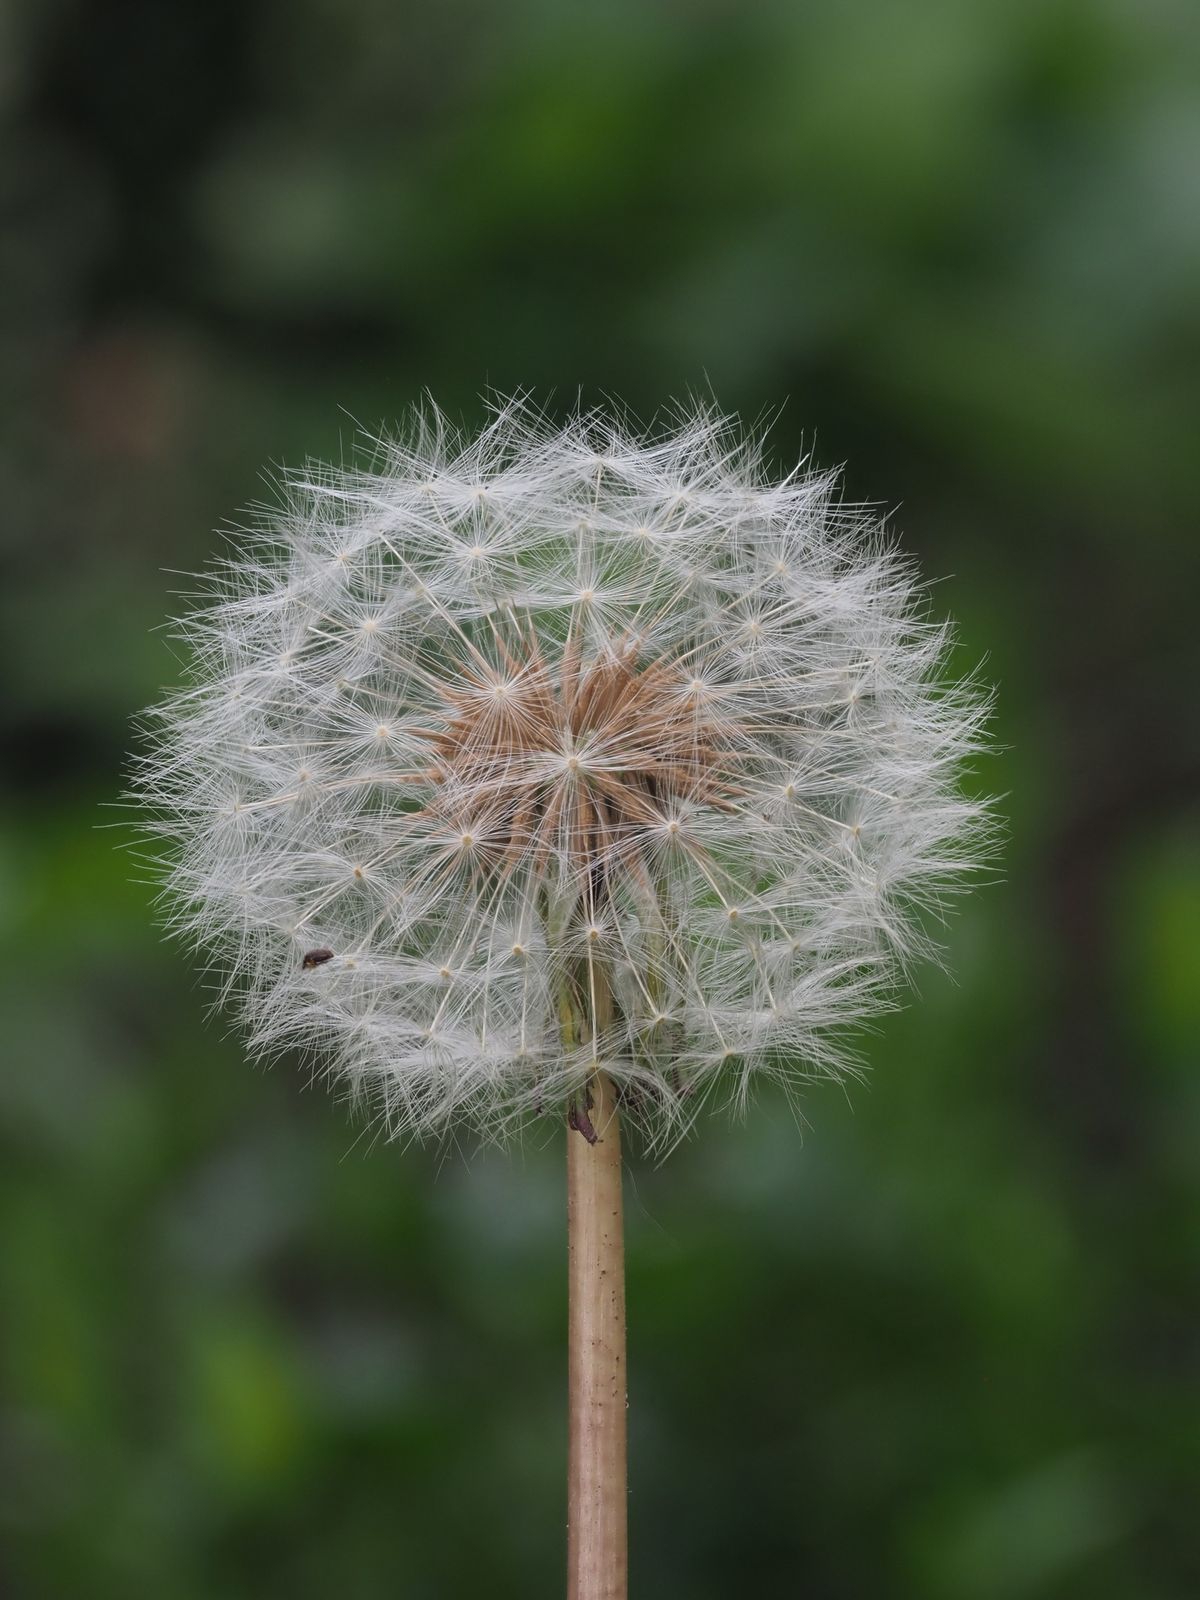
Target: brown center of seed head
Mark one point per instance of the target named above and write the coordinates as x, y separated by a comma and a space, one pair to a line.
585, 761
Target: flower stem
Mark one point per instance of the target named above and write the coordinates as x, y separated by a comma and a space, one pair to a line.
596, 1475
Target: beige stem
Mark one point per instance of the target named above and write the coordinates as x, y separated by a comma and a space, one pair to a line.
596, 1487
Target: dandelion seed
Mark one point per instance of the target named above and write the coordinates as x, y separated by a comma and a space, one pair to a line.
591, 725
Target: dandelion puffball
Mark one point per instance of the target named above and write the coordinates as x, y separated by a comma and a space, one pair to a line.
508, 757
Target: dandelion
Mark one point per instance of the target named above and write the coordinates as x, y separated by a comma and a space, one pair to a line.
564, 769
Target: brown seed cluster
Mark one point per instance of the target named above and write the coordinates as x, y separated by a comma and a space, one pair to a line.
582, 758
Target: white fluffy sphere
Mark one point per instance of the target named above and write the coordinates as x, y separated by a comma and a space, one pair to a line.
512, 755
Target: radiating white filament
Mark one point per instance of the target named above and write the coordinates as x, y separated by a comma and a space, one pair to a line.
374, 757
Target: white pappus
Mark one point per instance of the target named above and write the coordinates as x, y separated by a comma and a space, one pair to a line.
506, 756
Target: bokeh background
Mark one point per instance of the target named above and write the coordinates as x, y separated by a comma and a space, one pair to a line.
942, 1341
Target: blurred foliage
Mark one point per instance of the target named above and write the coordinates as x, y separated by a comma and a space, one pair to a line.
944, 1346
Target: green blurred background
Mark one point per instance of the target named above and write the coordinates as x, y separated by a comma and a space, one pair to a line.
941, 1343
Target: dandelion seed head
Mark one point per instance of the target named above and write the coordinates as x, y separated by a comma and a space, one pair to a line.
493, 722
